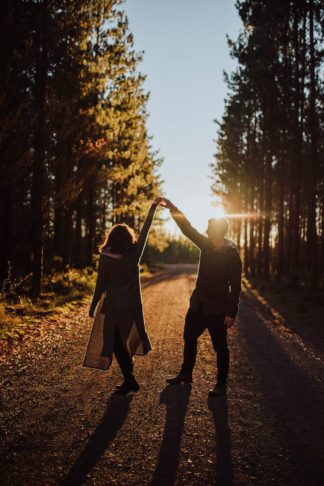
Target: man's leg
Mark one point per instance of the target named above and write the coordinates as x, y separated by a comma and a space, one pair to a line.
194, 327
218, 334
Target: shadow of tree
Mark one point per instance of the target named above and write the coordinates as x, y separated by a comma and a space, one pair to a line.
289, 389
117, 410
176, 399
309, 330
224, 467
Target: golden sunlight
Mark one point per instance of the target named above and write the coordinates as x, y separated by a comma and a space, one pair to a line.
218, 212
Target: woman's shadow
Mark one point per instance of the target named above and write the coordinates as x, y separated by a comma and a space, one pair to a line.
223, 450
176, 398
117, 410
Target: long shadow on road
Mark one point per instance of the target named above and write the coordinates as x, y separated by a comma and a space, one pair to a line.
294, 398
176, 399
117, 410
223, 450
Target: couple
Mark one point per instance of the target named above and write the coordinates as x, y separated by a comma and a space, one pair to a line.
116, 305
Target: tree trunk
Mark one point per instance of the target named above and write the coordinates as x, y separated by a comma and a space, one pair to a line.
91, 223
68, 231
78, 235
311, 227
267, 219
322, 233
267, 150
58, 229
58, 210
296, 172
5, 219
246, 247
261, 219
39, 157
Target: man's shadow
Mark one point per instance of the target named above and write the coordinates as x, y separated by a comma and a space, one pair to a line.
223, 450
117, 410
176, 399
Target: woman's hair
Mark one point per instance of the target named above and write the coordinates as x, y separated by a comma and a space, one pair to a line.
120, 238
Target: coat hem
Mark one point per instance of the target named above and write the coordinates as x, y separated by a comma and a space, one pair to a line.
94, 367
142, 354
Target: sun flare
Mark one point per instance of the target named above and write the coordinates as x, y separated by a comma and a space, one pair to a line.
218, 212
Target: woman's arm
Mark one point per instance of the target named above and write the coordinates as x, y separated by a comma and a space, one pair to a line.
100, 286
197, 238
142, 237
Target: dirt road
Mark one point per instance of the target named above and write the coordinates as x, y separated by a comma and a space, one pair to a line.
61, 424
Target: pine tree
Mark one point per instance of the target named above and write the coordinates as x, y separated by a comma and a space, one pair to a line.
84, 160
267, 160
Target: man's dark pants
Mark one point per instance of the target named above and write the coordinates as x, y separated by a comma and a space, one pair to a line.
195, 324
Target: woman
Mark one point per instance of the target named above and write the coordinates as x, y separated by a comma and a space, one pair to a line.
118, 325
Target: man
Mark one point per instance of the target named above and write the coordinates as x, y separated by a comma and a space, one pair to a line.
214, 301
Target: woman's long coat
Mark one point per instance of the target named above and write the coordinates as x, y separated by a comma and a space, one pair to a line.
117, 301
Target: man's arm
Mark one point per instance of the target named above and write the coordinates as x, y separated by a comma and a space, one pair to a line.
197, 238
235, 283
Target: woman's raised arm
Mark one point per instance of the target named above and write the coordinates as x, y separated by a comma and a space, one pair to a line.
142, 237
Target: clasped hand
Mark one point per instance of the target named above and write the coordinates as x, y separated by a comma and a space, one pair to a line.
163, 201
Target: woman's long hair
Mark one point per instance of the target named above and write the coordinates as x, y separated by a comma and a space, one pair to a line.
120, 239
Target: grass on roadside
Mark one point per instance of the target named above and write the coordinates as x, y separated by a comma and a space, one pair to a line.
62, 291
149, 270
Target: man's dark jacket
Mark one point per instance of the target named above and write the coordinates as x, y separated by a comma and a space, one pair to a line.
218, 285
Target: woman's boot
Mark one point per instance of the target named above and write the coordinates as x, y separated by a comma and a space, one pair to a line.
130, 384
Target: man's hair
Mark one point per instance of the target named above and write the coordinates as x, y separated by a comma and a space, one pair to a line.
219, 224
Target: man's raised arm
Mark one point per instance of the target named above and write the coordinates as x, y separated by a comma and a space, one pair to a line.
185, 226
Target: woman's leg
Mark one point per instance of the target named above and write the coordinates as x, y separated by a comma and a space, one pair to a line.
123, 357
126, 364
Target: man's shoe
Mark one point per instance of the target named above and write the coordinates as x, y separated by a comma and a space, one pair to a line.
127, 386
218, 390
180, 378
